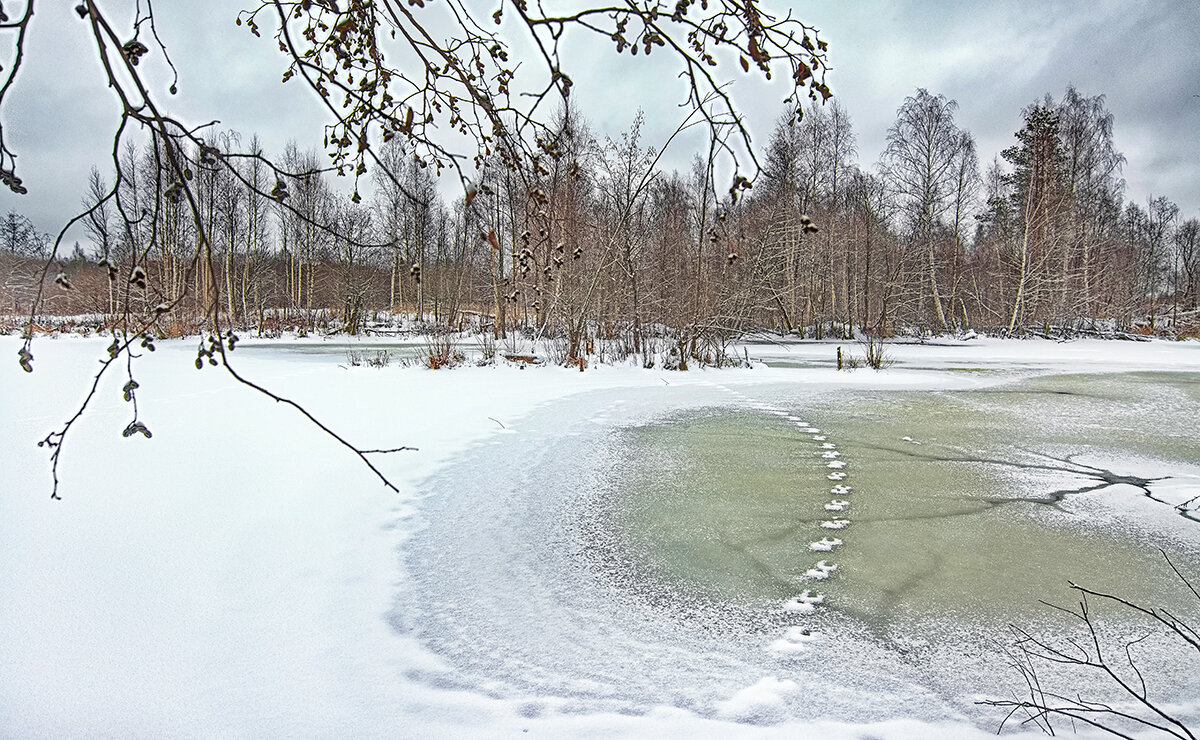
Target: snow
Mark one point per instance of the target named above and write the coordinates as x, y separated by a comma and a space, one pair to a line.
761, 703
237, 575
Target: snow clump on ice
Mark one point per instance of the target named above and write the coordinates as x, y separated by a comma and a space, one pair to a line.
825, 544
820, 571
805, 603
762, 703
795, 640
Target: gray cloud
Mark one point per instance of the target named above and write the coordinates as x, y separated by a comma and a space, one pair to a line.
993, 58
996, 58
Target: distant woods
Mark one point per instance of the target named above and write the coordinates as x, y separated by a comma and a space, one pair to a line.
601, 243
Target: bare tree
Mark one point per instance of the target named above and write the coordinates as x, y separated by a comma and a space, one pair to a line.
19, 236
628, 171
1161, 216
1187, 255
923, 148
21, 246
382, 74
1092, 170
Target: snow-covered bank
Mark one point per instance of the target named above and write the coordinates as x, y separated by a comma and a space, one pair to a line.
237, 575
1016, 355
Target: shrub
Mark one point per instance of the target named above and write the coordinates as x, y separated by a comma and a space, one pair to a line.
441, 351
876, 356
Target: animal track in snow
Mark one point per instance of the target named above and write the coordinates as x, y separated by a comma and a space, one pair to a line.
825, 544
795, 640
805, 603
820, 571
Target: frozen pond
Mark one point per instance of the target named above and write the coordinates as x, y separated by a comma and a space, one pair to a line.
657, 548
771, 552
338, 349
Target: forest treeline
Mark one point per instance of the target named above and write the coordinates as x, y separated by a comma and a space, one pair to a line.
598, 241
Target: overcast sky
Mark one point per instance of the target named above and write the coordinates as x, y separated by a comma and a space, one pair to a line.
994, 58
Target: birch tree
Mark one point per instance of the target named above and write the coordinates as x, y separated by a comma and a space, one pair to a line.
923, 146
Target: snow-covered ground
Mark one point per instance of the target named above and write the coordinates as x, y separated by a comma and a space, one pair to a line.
242, 575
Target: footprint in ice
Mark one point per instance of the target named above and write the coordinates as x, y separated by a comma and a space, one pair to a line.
837, 505
805, 603
795, 640
828, 446
836, 524
814, 430
910, 440
831, 454
835, 464
840, 490
836, 476
825, 544
820, 571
